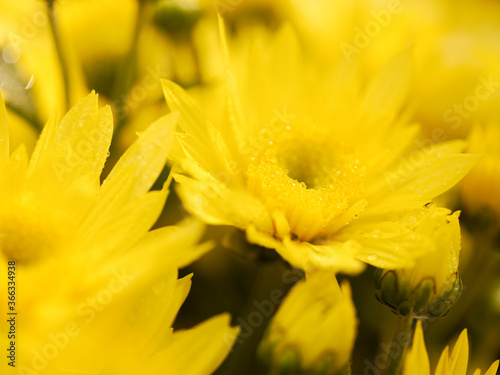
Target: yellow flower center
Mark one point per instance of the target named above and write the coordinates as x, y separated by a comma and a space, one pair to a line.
311, 178
28, 236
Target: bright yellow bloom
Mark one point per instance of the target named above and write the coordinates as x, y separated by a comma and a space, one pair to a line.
97, 292
314, 329
432, 285
417, 360
456, 46
480, 189
309, 163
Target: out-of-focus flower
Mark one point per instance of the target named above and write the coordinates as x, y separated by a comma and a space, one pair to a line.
456, 52
417, 360
314, 330
432, 285
99, 292
30, 75
480, 189
323, 176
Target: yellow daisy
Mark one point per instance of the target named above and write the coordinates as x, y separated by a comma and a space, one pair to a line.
308, 162
417, 360
97, 292
456, 52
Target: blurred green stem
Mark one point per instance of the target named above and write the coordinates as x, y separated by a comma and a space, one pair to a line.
60, 54
399, 346
242, 360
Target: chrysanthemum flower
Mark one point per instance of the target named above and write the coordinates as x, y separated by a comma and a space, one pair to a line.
314, 330
456, 52
97, 292
417, 360
311, 164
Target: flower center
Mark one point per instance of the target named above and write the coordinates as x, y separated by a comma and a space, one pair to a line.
310, 163
28, 237
309, 177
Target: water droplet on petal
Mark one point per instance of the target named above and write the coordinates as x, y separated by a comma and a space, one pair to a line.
372, 258
30, 83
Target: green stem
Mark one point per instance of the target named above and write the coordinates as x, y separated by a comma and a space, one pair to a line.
60, 55
400, 343
242, 360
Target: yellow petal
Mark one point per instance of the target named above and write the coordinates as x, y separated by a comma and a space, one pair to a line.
76, 146
130, 223
493, 368
170, 239
12, 174
443, 366
417, 359
199, 350
460, 355
147, 155
204, 138
236, 118
336, 257
390, 86
4, 133
422, 182
216, 204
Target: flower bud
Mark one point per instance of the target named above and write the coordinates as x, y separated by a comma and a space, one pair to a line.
432, 285
314, 330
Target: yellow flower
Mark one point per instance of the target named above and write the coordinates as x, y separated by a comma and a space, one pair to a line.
309, 163
480, 189
304, 334
417, 360
456, 52
432, 285
97, 292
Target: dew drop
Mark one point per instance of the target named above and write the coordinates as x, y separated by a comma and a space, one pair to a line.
30, 83
372, 258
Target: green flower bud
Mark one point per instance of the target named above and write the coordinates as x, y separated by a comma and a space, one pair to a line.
432, 285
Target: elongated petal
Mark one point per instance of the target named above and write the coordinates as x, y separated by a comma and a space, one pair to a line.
390, 86
74, 147
460, 355
4, 133
208, 343
417, 359
147, 156
493, 368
